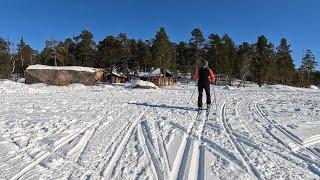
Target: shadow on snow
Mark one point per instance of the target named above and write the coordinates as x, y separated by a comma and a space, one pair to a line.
166, 106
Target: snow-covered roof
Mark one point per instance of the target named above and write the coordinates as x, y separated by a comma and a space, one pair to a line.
117, 74
157, 72
99, 69
72, 68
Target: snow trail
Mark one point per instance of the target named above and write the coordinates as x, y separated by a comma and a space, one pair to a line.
150, 149
107, 173
298, 144
80, 132
180, 160
245, 158
59, 144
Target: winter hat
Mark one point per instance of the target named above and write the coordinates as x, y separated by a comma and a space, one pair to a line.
204, 64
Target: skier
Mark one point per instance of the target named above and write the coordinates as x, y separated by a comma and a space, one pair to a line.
202, 75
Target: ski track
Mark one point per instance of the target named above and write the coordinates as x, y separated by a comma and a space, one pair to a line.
256, 146
261, 154
198, 161
102, 149
197, 152
107, 172
183, 152
59, 144
244, 156
162, 151
297, 142
150, 150
267, 154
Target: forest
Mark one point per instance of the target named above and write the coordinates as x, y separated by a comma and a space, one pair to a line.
261, 62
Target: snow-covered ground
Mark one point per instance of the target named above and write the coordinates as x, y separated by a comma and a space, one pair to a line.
114, 132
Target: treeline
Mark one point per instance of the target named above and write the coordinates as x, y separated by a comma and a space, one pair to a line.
261, 62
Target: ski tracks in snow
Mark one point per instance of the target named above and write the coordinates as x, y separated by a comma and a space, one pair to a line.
60, 144
192, 148
149, 148
107, 172
295, 146
182, 154
249, 167
272, 160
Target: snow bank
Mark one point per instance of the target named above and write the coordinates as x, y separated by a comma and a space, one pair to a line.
77, 86
143, 85
314, 87
269, 87
228, 88
11, 87
282, 87
21, 80
72, 68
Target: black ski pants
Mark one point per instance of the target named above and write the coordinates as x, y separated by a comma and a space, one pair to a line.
206, 87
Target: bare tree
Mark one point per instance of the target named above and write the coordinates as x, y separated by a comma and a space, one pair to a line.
246, 58
53, 45
244, 71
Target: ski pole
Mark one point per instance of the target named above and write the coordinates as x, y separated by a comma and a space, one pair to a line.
194, 90
215, 97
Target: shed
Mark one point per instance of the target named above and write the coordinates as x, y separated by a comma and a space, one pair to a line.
100, 75
115, 77
160, 77
60, 75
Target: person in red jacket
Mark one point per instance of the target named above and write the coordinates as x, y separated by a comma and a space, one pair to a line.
204, 75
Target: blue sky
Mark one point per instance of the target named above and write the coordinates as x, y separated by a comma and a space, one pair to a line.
243, 20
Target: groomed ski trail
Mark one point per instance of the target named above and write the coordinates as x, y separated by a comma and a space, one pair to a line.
298, 146
250, 168
107, 173
59, 144
183, 152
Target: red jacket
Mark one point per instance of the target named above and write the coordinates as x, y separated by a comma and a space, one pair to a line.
212, 79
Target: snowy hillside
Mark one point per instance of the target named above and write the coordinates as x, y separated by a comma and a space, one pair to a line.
115, 132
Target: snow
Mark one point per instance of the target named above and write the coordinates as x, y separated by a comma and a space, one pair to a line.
314, 87
156, 72
115, 132
143, 85
227, 87
70, 68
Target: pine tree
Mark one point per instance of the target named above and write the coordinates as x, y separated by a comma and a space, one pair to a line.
162, 50
229, 56
5, 59
284, 64
125, 55
144, 55
85, 48
132, 62
308, 66
309, 62
25, 57
69, 50
214, 51
184, 60
270, 65
109, 52
197, 44
260, 62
